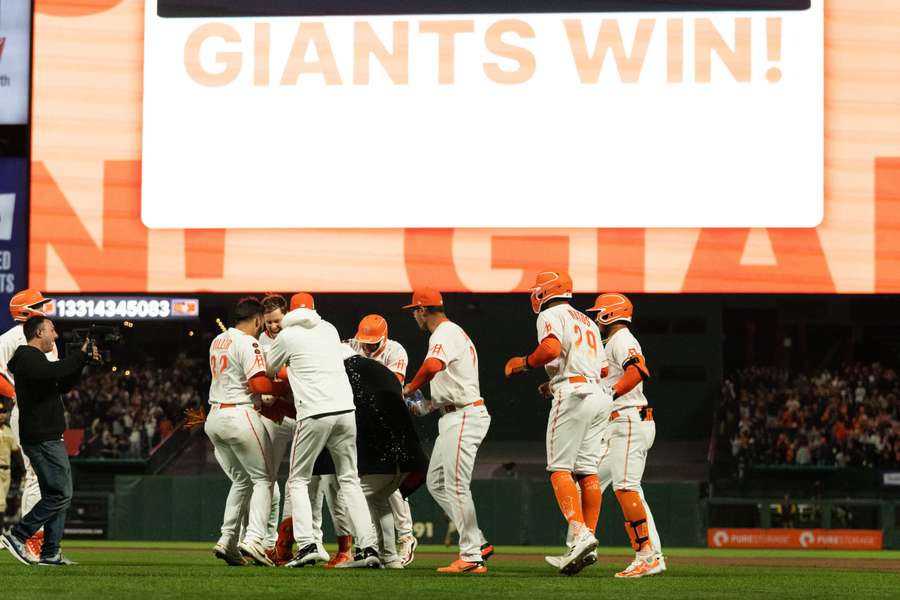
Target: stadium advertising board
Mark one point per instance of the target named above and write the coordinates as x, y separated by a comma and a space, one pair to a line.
326, 108
812, 539
13, 241
15, 60
90, 152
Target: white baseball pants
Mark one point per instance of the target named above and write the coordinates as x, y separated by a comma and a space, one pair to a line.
337, 433
460, 433
325, 488
379, 489
626, 444
281, 436
578, 417
403, 522
243, 450
31, 491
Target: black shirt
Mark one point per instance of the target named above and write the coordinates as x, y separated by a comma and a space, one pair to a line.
386, 440
39, 383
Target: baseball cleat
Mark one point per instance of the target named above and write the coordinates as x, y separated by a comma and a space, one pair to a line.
662, 564
554, 561
640, 567
231, 557
308, 555
256, 553
16, 547
321, 554
34, 544
557, 562
407, 549
575, 559
487, 550
394, 564
339, 558
367, 558
464, 566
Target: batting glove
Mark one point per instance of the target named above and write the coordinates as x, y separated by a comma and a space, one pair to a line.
517, 364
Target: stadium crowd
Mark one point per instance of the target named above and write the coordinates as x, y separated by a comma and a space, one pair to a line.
846, 417
127, 412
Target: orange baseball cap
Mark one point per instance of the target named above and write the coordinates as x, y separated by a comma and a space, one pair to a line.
302, 300
425, 297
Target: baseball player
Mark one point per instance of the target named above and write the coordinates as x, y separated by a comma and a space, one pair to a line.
630, 433
570, 349
312, 350
372, 341
451, 366
280, 429
235, 428
9, 450
23, 305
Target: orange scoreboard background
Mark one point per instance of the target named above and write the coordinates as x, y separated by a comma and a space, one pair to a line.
87, 235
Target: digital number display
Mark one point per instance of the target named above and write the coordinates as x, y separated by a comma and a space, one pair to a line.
96, 308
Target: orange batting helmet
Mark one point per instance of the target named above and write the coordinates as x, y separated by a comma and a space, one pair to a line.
27, 304
373, 329
549, 285
612, 307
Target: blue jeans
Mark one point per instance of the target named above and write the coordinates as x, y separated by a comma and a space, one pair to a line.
50, 462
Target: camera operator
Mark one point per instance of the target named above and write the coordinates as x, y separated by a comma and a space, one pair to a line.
39, 383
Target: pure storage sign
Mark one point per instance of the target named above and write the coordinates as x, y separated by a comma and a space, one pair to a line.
822, 539
355, 113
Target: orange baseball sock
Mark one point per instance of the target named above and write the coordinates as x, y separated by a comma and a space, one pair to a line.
345, 543
635, 518
591, 499
286, 533
567, 496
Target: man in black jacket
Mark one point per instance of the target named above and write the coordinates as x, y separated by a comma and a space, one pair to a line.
42, 422
389, 455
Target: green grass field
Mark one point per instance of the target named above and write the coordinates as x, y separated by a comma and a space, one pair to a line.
188, 570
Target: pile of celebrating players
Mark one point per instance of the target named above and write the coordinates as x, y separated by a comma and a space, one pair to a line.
284, 383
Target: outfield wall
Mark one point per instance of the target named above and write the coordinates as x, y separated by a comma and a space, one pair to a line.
509, 512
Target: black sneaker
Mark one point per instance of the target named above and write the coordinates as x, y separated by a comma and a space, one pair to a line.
367, 558
16, 547
305, 556
487, 550
57, 560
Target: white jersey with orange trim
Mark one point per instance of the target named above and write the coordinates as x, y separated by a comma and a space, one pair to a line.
234, 357
622, 347
581, 350
11, 340
265, 340
392, 355
457, 382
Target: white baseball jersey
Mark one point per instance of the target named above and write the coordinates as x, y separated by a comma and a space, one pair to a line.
234, 357
621, 348
265, 340
581, 350
313, 351
392, 355
11, 340
457, 383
